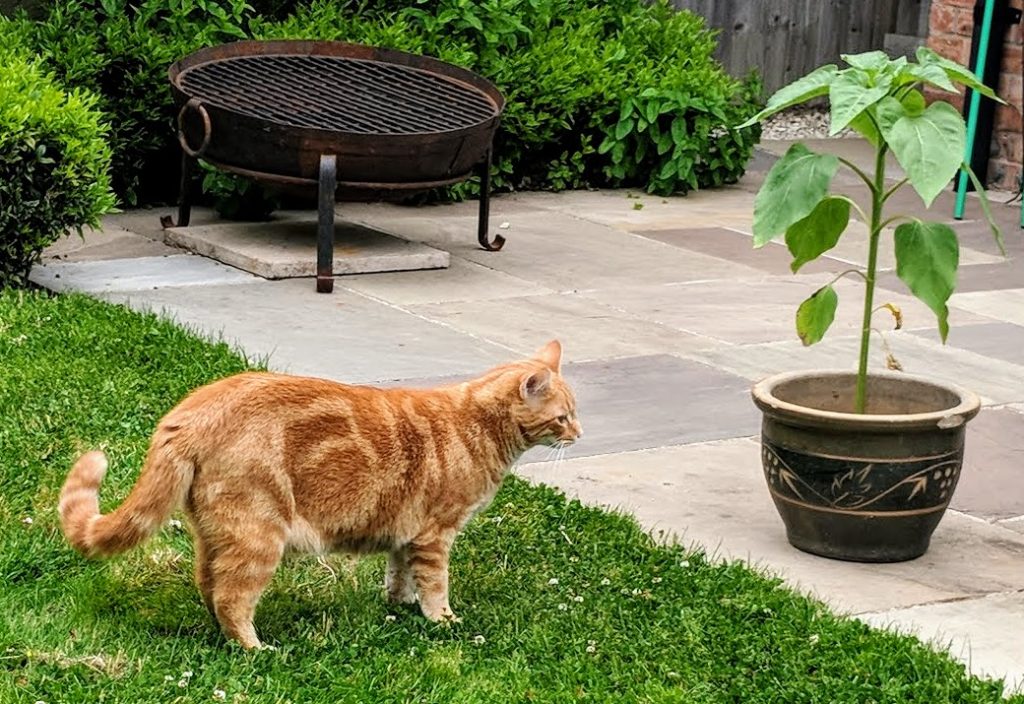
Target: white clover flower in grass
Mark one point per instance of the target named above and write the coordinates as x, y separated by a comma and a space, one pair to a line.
656, 580
591, 649
220, 695
605, 582
814, 638
479, 639
390, 618
684, 563
578, 599
183, 683
168, 678
27, 520
637, 592
563, 607
174, 523
553, 582
573, 558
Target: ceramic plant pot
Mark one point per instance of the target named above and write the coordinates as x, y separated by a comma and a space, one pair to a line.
867, 487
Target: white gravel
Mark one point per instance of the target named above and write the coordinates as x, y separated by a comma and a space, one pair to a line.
800, 123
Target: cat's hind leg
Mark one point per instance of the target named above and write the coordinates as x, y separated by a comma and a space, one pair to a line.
398, 582
240, 571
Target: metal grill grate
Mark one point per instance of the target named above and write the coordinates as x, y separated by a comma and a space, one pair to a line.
339, 93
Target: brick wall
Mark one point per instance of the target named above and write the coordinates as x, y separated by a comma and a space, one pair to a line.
950, 26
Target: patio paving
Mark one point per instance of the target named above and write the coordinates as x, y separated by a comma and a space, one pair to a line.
667, 315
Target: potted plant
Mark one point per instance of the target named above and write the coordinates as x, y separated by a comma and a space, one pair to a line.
862, 466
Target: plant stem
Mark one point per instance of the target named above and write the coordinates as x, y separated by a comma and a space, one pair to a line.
877, 200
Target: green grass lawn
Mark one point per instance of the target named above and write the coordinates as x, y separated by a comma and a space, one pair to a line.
560, 602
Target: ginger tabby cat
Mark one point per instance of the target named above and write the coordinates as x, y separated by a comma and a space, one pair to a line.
266, 462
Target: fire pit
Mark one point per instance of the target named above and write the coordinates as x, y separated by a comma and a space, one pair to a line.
347, 121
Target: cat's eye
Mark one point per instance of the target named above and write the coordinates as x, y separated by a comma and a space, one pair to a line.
564, 418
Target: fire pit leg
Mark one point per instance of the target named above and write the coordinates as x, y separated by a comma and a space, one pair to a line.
485, 208
184, 195
325, 229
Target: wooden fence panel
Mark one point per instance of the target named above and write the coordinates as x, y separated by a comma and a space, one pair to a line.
784, 39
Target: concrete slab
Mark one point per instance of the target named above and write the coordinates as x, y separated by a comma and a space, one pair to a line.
1003, 341
991, 485
857, 151
714, 494
1014, 524
1006, 305
975, 277
995, 381
587, 329
738, 247
343, 336
564, 253
461, 281
109, 242
758, 309
287, 248
112, 275
987, 634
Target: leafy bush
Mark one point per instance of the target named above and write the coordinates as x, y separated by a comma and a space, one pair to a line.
619, 93
54, 162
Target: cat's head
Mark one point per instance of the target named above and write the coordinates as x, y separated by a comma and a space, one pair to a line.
547, 408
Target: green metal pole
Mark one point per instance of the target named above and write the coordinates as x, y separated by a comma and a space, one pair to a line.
972, 115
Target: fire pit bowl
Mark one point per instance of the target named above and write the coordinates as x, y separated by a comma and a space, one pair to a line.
348, 121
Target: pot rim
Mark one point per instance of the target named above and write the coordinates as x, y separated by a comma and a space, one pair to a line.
965, 410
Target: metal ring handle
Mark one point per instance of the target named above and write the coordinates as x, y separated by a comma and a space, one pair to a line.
194, 104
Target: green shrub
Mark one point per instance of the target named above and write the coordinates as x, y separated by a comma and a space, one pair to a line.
54, 162
617, 93
121, 51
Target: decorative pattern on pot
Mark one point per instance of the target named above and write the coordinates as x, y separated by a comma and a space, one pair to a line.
863, 486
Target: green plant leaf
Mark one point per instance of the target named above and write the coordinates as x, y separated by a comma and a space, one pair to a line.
865, 127
928, 73
850, 96
927, 255
958, 73
624, 128
815, 315
929, 147
801, 90
791, 190
868, 61
985, 207
819, 232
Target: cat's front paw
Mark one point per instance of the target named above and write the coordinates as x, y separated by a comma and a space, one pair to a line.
444, 616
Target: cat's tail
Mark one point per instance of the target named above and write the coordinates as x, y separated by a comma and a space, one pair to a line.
162, 485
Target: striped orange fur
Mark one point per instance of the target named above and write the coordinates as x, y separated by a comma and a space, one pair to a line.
267, 462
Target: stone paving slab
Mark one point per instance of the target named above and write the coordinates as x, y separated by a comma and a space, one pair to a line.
287, 248
462, 281
109, 242
994, 381
714, 494
112, 275
729, 206
973, 277
981, 632
761, 309
588, 330
1015, 524
738, 247
665, 398
564, 253
1003, 341
992, 481
1006, 305
342, 336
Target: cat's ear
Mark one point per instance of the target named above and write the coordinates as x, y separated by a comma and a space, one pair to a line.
536, 385
551, 355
